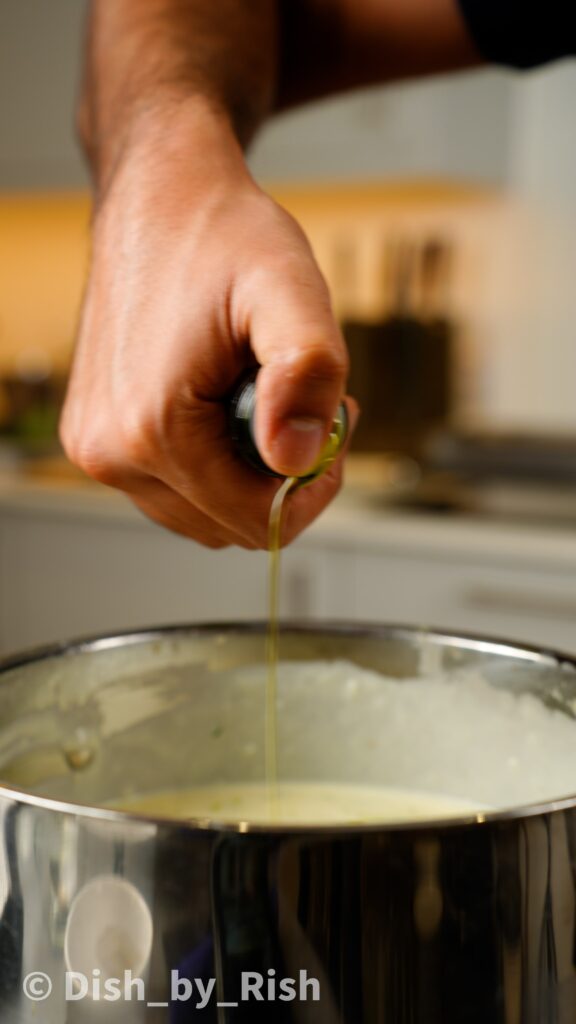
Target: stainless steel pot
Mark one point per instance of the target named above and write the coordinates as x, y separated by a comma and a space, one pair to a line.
470, 921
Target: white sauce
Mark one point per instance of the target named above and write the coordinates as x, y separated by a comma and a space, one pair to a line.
298, 803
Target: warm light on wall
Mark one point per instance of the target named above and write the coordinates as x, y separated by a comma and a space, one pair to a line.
506, 310
44, 243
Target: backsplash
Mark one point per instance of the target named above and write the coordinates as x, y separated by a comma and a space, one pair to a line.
44, 243
508, 288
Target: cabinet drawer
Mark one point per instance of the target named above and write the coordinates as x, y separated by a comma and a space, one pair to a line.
525, 605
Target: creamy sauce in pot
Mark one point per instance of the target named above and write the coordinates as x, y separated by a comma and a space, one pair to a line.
298, 803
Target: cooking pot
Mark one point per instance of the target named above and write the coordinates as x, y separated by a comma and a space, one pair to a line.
470, 920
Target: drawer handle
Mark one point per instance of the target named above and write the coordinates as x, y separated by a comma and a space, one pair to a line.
513, 602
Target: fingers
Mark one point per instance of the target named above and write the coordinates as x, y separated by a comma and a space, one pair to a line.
304, 361
169, 510
105, 456
161, 346
235, 499
305, 504
224, 502
198, 462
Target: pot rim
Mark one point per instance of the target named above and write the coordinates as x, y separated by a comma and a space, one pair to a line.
447, 638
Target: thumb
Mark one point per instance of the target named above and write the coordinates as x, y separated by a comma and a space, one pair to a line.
304, 361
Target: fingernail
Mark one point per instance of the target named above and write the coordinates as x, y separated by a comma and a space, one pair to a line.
299, 444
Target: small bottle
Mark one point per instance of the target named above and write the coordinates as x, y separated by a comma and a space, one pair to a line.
241, 418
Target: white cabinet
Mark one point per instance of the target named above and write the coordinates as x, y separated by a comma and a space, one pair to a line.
534, 606
452, 126
40, 52
64, 575
68, 572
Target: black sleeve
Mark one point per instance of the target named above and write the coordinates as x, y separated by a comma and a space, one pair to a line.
521, 33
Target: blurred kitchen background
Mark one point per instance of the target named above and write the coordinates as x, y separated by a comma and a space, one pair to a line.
443, 214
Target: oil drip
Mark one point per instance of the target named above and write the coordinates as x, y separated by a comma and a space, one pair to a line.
274, 544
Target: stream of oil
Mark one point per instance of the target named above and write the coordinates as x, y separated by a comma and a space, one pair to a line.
271, 735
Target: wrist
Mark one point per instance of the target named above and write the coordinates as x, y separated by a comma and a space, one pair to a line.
169, 140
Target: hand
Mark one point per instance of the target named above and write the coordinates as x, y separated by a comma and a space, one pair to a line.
196, 276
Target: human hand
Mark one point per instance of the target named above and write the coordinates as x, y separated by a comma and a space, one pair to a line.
197, 276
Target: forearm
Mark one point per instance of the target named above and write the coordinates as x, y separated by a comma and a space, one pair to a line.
330, 45
149, 59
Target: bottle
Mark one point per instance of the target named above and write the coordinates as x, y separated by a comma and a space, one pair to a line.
241, 420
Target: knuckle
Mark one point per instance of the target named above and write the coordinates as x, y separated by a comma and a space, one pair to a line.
65, 436
256, 539
208, 540
90, 458
327, 361
87, 451
137, 438
291, 532
330, 484
215, 544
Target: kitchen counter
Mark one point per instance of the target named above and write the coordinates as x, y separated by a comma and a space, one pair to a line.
358, 518
77, 558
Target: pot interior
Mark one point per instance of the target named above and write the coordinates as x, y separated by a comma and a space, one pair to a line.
108, 720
